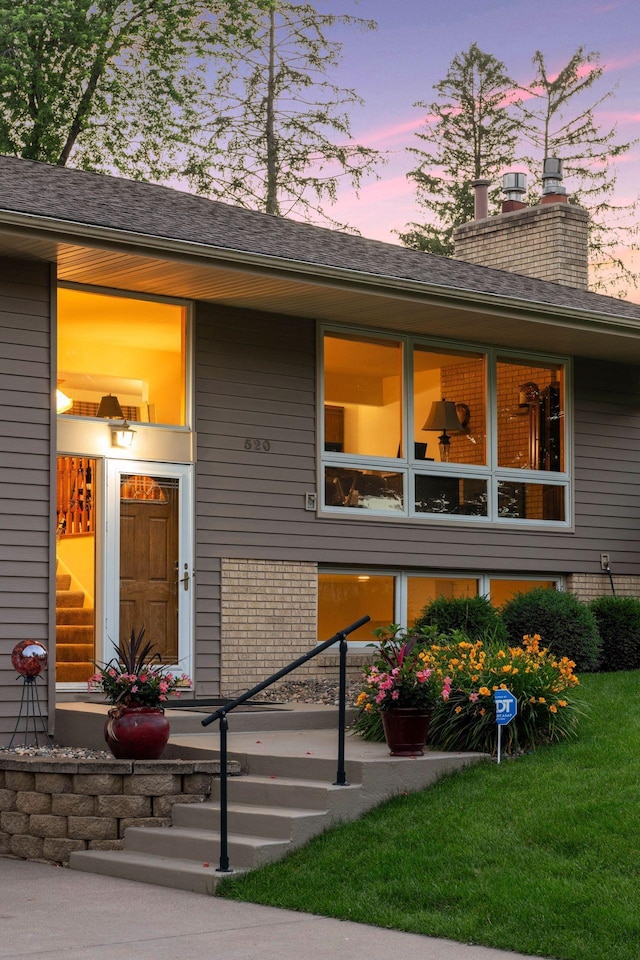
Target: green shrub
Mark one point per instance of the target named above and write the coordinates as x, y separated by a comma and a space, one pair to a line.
618, 620
475, 616
567, 626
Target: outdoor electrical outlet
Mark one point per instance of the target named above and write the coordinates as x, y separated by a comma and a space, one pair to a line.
604, 561
310, 501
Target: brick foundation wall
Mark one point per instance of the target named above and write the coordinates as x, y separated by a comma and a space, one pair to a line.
50, 807
588, 586
548, 242
269, 618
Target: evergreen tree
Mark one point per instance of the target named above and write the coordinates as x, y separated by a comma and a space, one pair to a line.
470, 133
558, 120
281, 142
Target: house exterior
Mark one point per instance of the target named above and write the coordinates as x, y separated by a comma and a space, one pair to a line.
230, 428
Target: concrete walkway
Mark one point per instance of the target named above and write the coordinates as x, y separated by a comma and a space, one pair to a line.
50, 913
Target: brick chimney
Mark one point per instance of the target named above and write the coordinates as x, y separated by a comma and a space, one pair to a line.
549, 242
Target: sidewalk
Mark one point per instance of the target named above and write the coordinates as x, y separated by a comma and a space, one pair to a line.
50, 913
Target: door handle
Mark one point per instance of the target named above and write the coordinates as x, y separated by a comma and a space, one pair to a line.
185, 580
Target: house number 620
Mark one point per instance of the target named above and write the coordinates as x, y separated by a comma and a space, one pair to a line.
263, 446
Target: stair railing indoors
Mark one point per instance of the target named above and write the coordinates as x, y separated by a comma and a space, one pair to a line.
222, 712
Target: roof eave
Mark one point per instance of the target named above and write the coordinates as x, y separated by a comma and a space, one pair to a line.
67, 231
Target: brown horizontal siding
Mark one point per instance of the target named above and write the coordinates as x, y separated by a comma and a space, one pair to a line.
25, 444
255, 378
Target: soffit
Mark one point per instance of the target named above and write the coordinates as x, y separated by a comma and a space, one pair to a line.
368, 303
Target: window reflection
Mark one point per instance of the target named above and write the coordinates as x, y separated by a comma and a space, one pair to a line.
366, 489
530, 501
461, 496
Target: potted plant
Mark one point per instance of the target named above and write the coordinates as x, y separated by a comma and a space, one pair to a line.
402, 687
136, 684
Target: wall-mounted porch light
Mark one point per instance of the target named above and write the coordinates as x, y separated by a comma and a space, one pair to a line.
121, 434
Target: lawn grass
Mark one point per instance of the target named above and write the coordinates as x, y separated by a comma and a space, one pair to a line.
539, 855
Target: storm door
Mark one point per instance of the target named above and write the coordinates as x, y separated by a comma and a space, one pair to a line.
149, 557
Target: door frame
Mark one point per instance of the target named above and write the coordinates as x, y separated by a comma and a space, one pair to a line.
182, 472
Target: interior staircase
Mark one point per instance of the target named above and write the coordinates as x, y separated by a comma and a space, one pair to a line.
74, 633
285, 796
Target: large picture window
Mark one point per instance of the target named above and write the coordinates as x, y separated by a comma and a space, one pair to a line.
438, 432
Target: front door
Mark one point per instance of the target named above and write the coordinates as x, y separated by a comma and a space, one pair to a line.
149, 557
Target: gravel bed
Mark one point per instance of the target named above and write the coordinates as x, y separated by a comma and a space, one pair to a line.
55, 750
309, 691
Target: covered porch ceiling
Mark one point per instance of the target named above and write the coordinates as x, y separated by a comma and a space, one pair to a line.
305, 290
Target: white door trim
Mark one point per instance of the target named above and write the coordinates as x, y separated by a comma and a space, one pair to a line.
111, 565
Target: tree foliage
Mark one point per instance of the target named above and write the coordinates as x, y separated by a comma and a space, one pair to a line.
558, 120
281, 139
108, 84
482, 121
470, 133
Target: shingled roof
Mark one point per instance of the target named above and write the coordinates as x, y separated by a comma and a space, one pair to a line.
77, 196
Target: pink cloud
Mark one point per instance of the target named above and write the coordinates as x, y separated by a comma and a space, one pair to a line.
394, 131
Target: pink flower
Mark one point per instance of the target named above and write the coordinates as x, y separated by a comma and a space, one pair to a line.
162, 697
163, 686
473, 697
395, 694
134, 688
112, 672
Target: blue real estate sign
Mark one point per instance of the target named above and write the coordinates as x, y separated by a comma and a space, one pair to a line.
506, 707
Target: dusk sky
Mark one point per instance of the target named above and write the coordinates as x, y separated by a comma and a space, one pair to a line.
416, 40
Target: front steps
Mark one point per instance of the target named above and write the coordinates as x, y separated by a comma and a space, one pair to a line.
286, 797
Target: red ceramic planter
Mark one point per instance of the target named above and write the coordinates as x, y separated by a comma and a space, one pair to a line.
140, 733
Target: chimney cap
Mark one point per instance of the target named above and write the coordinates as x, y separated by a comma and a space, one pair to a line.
552, 177
514, 185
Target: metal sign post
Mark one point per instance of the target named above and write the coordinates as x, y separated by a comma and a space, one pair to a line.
506, 710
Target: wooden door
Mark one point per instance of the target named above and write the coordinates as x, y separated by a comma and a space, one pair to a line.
149, 555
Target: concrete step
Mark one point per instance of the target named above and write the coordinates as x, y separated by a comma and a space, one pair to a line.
305, 767
199, 877
80, 724
281, 791
275, 823
190, 843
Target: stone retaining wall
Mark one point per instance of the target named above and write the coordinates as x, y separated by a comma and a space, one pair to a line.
52, 806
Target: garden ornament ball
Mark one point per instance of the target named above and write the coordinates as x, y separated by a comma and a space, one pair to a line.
29, 658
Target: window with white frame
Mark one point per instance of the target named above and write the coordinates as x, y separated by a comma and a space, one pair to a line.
400, 596
432, 430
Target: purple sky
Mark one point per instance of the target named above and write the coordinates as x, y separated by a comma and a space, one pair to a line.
416, 40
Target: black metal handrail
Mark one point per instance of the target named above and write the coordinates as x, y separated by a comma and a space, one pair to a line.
221, 715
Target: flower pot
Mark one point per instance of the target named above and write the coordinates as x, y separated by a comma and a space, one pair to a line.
137, 733
405, 730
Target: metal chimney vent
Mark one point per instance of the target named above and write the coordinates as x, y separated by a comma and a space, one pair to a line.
552, 177
514, 186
